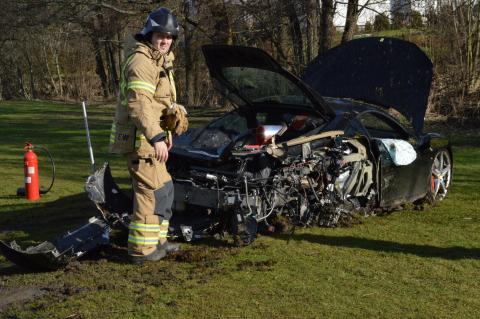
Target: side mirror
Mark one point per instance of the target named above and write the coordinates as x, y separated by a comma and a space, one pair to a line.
424, 140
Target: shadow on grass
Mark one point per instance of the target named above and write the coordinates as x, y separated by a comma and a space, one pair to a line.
46, 219
14, 270
451, 253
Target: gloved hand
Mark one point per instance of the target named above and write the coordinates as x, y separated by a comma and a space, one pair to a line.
176, 119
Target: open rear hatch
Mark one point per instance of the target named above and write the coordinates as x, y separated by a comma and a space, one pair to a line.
388, 72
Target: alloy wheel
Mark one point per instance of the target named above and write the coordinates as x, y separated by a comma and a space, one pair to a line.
441, 175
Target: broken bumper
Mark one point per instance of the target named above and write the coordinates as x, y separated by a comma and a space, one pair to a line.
51, 255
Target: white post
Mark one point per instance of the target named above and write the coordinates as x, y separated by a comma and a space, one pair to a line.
90, 150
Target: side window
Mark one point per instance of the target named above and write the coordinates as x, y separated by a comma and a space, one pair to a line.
354, 129
380, 127
232, 122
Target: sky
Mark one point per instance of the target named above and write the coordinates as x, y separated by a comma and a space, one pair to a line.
369, 15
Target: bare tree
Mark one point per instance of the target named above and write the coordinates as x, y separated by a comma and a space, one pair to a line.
326, 25
295, 32
311, 11
222, 28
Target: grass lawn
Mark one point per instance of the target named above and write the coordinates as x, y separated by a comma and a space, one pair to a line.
408, 264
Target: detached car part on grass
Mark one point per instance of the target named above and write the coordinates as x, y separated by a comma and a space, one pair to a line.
288, 150
51, 255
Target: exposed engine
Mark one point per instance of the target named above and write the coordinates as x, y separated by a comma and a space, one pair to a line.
313, 181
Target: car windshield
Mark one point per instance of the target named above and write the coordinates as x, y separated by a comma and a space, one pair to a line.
234, 127
220, 133
265, 87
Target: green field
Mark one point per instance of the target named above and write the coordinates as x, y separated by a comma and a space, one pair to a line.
407, 264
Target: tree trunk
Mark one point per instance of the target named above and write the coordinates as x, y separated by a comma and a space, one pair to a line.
100, 68
350, 21
1, 88
311, 9
326, 26
21, 86
112, 67
59, 74
295, 31
222, 28
189, 93
280, 38
30, 71
50, 75
120, 52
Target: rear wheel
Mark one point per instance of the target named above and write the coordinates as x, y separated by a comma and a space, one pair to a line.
440, 177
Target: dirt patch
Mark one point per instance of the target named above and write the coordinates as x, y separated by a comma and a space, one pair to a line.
19, 295
64, 290
350, 220
75, 267
203, 255
280, 224
264, 265
260, 246
205, 263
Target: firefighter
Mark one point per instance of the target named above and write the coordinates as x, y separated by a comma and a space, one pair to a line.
145, 119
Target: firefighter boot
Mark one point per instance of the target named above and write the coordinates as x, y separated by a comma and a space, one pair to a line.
168, 247
156, 255
163, 243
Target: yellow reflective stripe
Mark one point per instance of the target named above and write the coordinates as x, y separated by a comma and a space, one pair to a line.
163, 234
138, 138
137, 86
123, 83
165, 223
144, 227
141, 85
142, 240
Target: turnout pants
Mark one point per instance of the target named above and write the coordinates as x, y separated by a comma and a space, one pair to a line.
152, 204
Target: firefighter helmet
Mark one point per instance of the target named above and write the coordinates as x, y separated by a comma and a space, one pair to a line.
160, 20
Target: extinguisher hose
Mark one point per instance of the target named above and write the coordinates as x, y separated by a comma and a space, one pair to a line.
53, 169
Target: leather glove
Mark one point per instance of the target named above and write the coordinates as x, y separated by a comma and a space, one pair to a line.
176, 119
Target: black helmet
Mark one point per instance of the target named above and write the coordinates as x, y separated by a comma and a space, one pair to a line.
160, 20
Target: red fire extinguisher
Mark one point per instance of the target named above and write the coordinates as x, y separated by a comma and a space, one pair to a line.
30, 165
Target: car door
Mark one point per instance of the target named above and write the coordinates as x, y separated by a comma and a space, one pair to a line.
398, 183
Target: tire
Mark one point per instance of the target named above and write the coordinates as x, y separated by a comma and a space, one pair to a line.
440, 176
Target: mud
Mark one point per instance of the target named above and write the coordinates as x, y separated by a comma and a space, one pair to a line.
11, 296
107, 269
280, 224
65, 289
204, 255
350, 220
264, 265
260, 246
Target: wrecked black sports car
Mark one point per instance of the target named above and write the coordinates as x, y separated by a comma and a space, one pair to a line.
315, 149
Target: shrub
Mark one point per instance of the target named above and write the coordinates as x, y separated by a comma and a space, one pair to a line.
381, 22
416, 20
